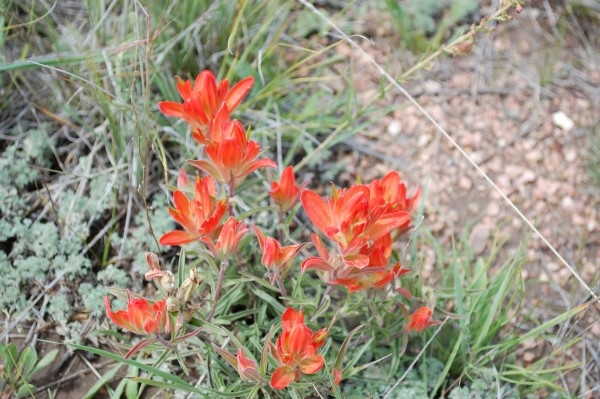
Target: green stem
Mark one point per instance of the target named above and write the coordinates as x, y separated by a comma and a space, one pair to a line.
282, 290
220, 277
231, 194
280, 232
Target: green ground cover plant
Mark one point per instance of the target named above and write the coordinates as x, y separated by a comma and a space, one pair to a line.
268, 280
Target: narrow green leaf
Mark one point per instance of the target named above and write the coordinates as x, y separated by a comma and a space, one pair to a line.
27, 362
106, 378
264, 357
344, 347
254, 391
442, 377
176, 381
26, 390
45, 361
199, 390
10, 356
269, 299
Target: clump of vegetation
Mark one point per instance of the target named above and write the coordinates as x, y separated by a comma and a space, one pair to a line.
19, 369
83, 206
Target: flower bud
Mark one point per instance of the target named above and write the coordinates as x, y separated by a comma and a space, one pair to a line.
188, 287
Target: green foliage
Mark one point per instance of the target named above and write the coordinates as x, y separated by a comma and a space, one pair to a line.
593, 155
19, 368
423, 25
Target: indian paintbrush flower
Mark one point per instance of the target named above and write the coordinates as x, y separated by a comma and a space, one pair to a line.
140, 316
199, 217
348, 218
275, 256
296, 350
246, 367
228, 240
202, 101
420, 320
233, 156
286, 192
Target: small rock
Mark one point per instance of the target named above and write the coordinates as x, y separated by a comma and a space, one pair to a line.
528, 176
493, 209
479, 237
528, 357
473, 208
465, 183
423, 140
561, 120
534, 156
567, 203
503, 182
432, 87
394, 128
477, 157
571, 155
528, 144
453, 216
513, 171
553, 266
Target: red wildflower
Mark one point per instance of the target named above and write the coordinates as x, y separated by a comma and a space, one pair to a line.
324, 261
202, 101
231, 155
247, 368
420, 320
182, 180
377, 274
393, 191
199, 217
296, 350
228, 240
286, 192
390, 190
337, 376
348, 219
274, 255
140, 316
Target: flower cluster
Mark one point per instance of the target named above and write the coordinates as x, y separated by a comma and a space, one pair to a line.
360, 223
296, 349
356, 229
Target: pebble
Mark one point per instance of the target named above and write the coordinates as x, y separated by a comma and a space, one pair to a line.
553, 266
563, 275
571, 155
528, 357
567, 203
423, 140
528, 176
493, 209
477, 157
432, 87
534, 156
464, 183
394, 127
479, 237
561, 120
